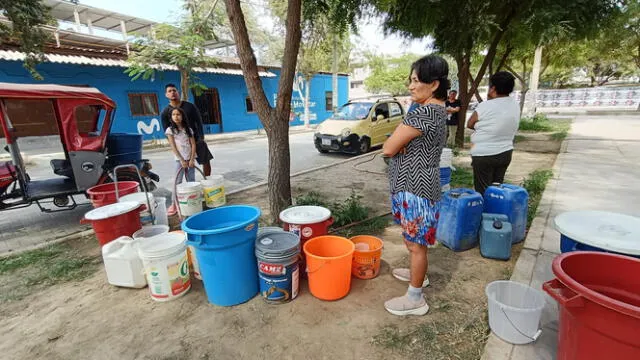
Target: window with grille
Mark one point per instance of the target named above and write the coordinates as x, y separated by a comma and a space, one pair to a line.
143, 104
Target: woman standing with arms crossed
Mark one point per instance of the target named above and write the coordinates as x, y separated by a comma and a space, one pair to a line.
414, 176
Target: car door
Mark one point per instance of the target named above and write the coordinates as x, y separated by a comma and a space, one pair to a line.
396, 115
379, 128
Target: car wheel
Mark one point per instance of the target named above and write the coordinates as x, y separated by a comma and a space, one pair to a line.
365, 146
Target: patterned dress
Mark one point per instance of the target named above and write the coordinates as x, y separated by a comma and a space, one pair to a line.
414, 176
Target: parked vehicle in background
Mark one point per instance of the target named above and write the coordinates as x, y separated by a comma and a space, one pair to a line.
359, 125
83, 118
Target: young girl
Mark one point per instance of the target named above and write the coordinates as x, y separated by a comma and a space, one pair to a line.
182, 144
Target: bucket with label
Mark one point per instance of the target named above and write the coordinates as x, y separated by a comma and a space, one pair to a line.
194, 269
278, 255
166, 266
366, 257
307, 222
146, 217
213, 188
189, 198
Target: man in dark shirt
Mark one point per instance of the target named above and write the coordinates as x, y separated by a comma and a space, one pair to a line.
203, 155
453, 107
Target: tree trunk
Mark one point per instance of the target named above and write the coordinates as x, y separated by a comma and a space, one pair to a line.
275, 121
184, 85
279, 165
523, 95
463, 83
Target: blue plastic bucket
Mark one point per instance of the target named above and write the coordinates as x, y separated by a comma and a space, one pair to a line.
124, 148
224, 239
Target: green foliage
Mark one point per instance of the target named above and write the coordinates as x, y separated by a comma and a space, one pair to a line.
389, 75
462, 178
182, 46
344, 212
539, 122
27, 17
535, 185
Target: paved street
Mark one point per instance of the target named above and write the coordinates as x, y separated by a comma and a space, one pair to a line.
242, 163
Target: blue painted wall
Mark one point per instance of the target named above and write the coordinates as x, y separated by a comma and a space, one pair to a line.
231, 88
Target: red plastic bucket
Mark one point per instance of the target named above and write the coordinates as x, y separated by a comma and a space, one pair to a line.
112, 221
105, 194
599, 300
307, 222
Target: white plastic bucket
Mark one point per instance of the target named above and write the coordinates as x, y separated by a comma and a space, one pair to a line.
446, 158
141, 198
150, 231
213, 189
165, 265
189, 198
514, 311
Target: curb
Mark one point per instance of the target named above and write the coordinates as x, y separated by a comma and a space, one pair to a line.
74, 236
303, 172
523, 271
84, 233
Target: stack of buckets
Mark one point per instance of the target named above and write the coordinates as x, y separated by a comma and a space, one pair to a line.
445, 169
191, 195
236, 260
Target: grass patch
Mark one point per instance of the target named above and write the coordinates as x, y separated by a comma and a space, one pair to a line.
541, 123
375, 226
456, 335
23, 274
560, 135
344, 212
535, 184
462, 177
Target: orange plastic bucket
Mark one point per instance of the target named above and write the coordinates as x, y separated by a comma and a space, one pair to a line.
366, 263
329, 261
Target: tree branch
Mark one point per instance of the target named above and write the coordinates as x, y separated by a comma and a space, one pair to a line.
471, 79
248, 61
515, 73
491, 53
505, 56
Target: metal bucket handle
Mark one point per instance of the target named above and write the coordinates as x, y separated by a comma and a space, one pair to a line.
143, 187
175, 188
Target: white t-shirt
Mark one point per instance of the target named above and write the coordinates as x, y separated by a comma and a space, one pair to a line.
496, 127
182, 143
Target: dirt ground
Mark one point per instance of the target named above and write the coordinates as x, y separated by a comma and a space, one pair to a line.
92, 320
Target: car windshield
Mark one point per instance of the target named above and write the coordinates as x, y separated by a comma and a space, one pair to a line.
353, 111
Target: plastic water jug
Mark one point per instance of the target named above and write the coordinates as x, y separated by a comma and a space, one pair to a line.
495, 236
510, 200
460, 217
122, 264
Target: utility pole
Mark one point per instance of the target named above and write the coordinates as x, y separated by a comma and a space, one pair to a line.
335, 72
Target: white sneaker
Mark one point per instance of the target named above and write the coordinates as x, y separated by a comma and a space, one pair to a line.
404, 274
403, 306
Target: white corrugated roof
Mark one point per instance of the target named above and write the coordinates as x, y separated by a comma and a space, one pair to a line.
95, 61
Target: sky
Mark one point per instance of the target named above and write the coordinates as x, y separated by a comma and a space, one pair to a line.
371, 35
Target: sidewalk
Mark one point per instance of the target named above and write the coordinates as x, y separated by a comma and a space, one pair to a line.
596, 170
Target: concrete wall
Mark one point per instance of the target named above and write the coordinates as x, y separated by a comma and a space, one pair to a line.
231, 88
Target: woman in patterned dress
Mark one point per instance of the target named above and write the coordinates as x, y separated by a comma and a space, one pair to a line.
414, 176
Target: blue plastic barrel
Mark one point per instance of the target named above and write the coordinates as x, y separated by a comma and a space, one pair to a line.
510, 200
224, 239
460, 217
124, 148
445, 176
